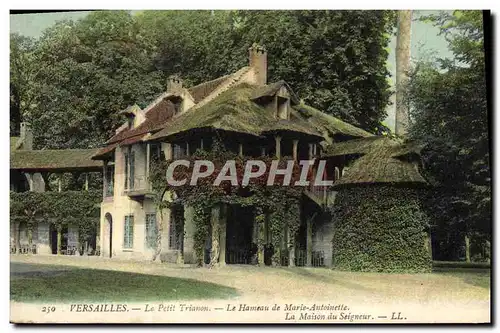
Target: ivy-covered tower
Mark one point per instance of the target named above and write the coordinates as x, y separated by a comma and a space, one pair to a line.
379, 222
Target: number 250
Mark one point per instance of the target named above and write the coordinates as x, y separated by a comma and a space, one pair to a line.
48, 309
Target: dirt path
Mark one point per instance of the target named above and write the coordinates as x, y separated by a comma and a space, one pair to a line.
281, 284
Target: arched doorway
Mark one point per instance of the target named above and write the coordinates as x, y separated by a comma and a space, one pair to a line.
109, 233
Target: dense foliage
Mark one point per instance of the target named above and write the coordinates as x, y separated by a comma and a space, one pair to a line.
280, 203
380, 229
450, 118
335, 60
72, 81
78, 208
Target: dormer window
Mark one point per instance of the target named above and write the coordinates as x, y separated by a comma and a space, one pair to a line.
277, 97
131, 113
177, 101
283, 108
130, 121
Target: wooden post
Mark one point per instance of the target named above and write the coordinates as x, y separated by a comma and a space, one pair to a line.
215, 222
311, 151
240, 150
309, 241
59, 240
295, 146
187, 149
105, 179
148, 158
278, 146
222, 234
86, 181
201, 144
29, 176
263, 151
59, 183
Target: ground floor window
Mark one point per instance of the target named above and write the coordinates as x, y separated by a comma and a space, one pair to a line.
151, 230
128, 239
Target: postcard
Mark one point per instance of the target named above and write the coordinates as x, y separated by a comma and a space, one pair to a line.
235, 166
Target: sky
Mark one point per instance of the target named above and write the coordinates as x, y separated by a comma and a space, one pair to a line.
425, 40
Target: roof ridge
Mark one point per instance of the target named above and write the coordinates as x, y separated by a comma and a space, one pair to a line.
230, 81
209, 81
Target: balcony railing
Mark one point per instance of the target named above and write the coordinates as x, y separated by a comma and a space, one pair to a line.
141, 186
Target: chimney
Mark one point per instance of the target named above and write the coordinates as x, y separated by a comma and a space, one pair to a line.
26, 136
174, 84
258, 61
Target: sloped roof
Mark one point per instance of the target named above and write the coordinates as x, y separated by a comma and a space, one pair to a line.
326, 123
45, 160
13, 142
233, 111
229, 103
204, 89
156, 117
271, 90
379, 166
351, 147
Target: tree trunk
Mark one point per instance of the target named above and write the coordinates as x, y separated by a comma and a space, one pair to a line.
59, 240
402, 66
467, 248
30, 239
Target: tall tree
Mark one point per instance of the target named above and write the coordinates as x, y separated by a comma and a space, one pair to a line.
23, 70
449, 113
88, 71
403, 50
335, 60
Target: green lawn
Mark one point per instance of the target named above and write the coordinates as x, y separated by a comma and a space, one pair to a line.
473, 276
48, 283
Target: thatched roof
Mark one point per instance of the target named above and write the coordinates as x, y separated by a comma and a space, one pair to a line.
204, 89
351, 147
13, 142
271, 89
54, 160
233, 111
229, 104
378, 166
329, 125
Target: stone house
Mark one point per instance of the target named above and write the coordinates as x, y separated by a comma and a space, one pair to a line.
253, 118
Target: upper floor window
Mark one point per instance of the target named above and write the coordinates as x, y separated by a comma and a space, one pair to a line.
282, 110
130, 121
109, 186
129, 169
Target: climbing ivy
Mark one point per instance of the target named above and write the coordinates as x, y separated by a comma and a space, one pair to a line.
282, 201
80, 208
381, 229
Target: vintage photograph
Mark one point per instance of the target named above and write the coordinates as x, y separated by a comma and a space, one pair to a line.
250, 166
